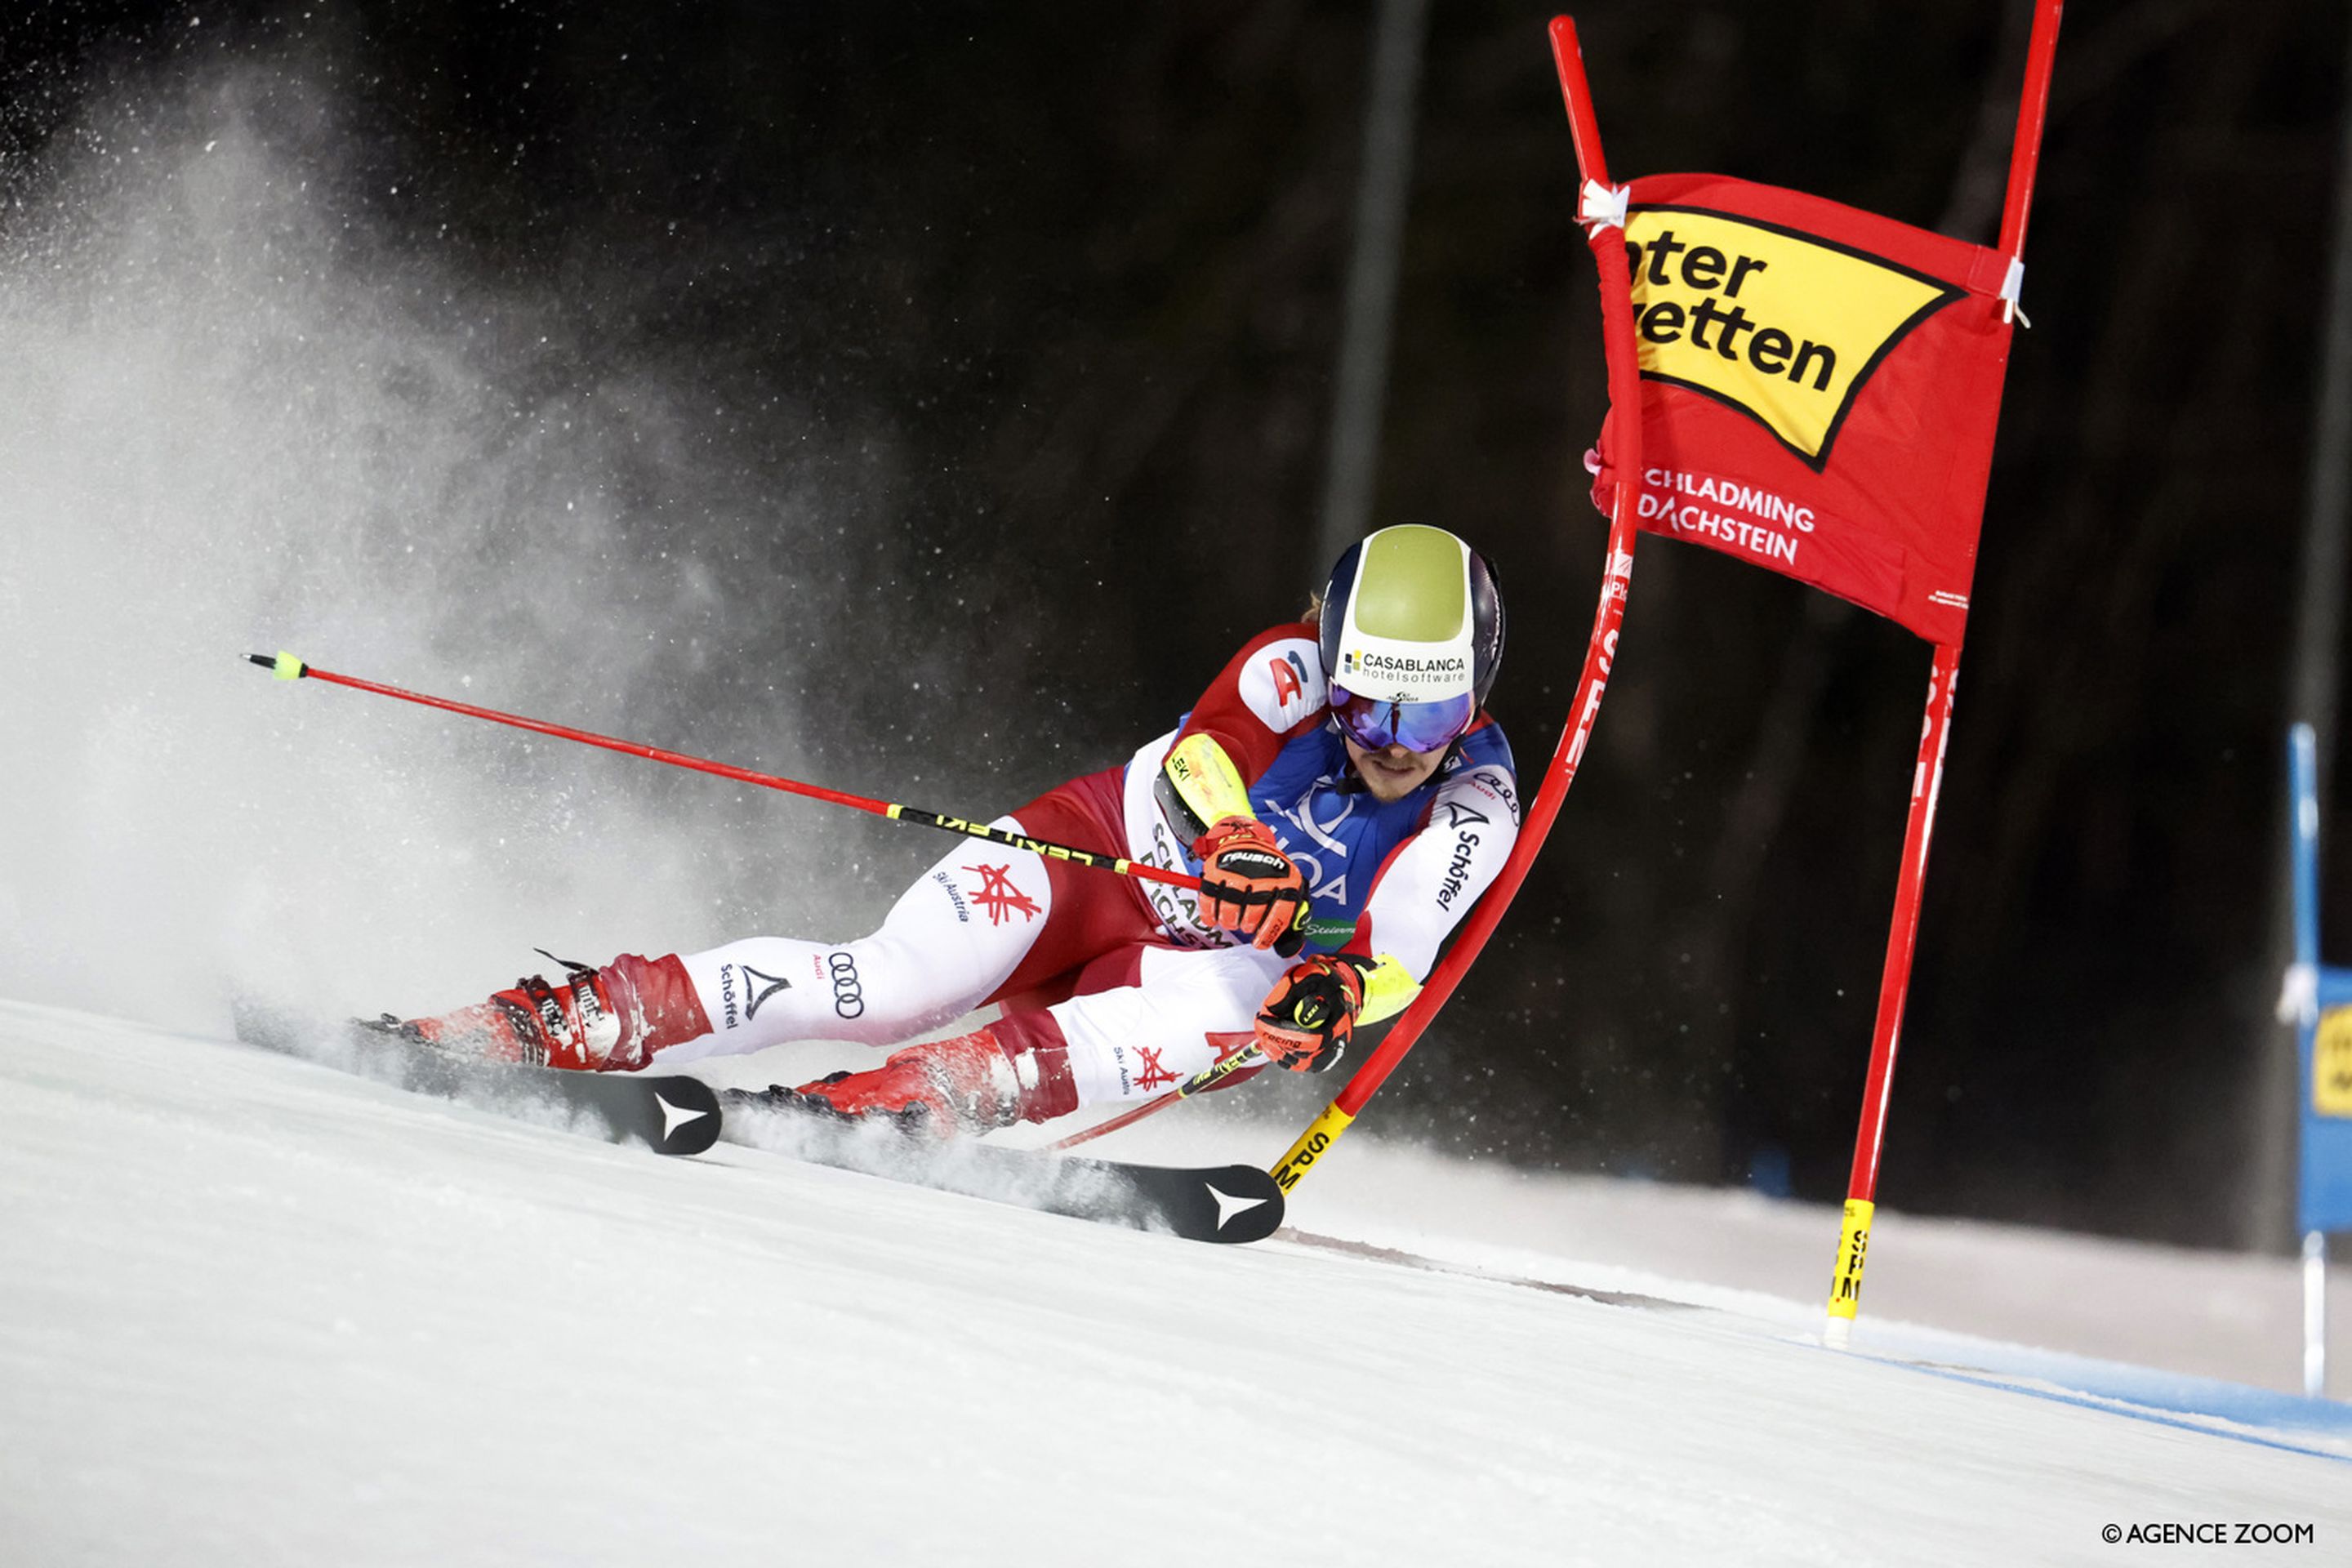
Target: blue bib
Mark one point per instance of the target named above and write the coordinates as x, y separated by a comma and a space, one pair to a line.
1338, 831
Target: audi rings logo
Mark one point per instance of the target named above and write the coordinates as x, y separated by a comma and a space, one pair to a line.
848, 994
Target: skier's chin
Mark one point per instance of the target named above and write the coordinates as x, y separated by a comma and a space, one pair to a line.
1393, 773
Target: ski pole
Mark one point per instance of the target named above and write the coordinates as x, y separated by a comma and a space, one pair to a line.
1208, 1077
289, 668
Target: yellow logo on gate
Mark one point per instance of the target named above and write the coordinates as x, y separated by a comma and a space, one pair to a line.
2331, 1064
1782, 326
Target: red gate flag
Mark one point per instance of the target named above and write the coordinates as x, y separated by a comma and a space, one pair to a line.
1814, 389
1819, 391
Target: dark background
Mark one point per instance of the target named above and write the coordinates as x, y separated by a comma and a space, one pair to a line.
1056, 290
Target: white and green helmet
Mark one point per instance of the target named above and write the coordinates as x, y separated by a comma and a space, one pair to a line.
1412, 635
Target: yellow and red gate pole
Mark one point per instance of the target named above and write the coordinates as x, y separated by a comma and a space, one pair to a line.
1928, 776
1607, 236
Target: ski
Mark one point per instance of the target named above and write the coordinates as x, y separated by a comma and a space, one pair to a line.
1217, 1204
667, 1113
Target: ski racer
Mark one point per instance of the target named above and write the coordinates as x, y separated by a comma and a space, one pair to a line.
1339, 789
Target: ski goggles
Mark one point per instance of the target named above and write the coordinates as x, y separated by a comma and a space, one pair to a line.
1416, 726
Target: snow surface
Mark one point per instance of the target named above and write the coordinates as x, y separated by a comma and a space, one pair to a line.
255, 1312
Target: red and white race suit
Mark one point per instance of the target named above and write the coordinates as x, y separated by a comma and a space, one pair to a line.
1124, 970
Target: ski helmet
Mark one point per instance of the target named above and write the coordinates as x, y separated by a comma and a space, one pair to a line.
1412, 635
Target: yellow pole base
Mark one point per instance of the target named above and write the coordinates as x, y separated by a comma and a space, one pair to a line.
1845, 1282
1320, 1135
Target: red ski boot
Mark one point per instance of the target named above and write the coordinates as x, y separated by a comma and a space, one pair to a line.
1013, 1071
596, 1020
568, 1025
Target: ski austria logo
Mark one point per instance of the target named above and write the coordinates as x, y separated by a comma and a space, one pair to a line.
1783, 327
1000, 898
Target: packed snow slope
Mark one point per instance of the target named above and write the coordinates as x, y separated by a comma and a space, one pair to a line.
254, 1312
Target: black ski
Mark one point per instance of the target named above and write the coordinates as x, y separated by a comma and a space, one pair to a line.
667, 1113
1219, 1203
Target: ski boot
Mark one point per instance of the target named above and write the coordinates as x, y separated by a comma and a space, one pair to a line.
1013, 1071
595, 1020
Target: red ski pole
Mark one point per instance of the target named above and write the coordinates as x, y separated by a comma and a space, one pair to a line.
1241, 1054
289, 668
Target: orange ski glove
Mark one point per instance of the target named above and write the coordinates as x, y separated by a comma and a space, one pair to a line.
1247, 883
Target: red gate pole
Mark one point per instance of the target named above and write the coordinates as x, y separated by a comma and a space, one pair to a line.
1928, 776
2032, 109
1608, 238
1894, 988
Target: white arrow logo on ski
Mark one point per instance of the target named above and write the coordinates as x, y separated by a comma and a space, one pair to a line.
674, 1116
1229, 1206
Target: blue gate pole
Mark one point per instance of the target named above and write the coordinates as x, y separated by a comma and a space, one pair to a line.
2302, 998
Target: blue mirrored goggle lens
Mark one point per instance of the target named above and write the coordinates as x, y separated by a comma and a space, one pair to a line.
1416, 726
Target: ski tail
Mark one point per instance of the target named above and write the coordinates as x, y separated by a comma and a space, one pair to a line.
668, 1113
